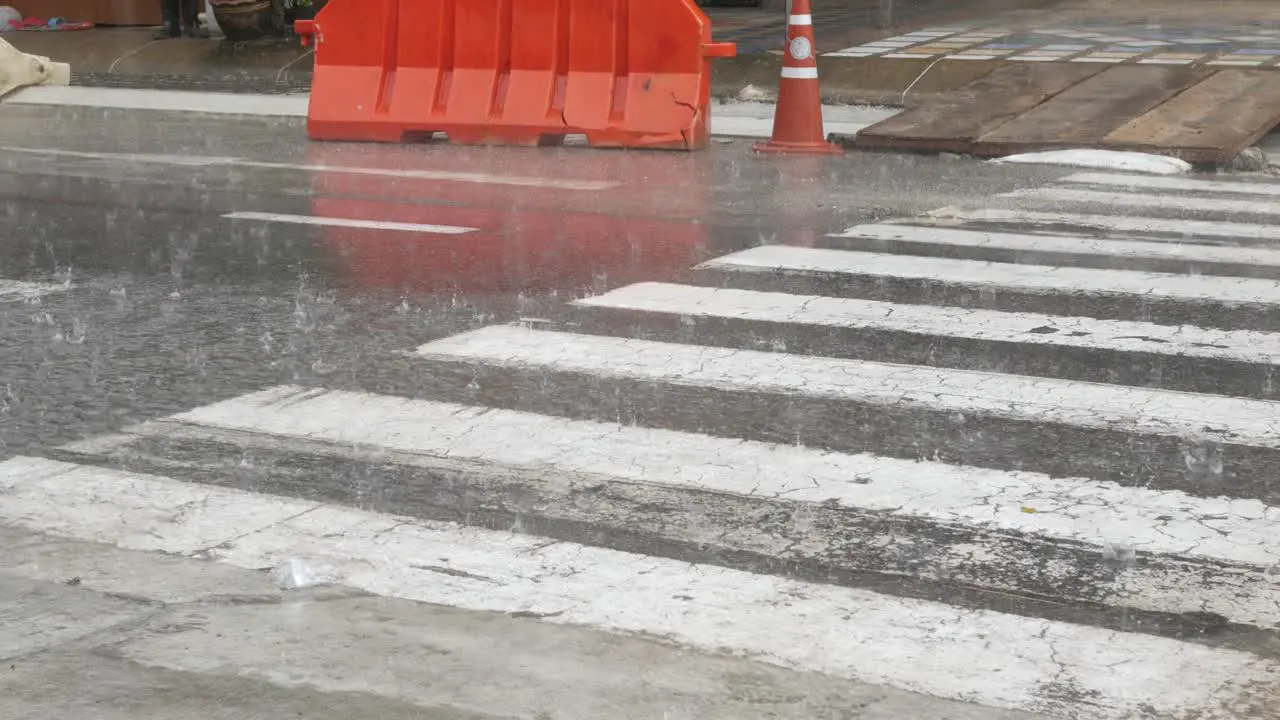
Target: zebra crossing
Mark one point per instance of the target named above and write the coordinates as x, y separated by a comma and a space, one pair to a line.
1016, 455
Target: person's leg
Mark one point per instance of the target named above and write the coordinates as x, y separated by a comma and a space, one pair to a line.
190, 14
172, 20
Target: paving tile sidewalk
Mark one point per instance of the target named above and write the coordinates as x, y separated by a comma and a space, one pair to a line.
1085, 42
843, 23
1239, 33
1244, 33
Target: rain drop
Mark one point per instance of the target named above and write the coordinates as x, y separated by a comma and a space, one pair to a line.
1203, 459
1119, 556
803, 519
77, 333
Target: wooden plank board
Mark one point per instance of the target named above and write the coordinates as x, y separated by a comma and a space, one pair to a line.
1084, 114
951, 122
1211, 122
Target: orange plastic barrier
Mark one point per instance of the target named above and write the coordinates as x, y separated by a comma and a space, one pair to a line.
624, 73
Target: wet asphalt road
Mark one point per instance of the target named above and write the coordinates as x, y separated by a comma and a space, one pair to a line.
165, 304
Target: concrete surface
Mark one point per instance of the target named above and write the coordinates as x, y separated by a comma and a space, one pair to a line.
134, 51
90, 630
159, 261
728, 119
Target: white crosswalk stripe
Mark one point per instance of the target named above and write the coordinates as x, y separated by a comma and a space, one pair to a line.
1147, 228
1029, 343
1238, 420
20, 291
1031, 247
1039, 480
1161, 182
1122, 201
978, 273
1025, 328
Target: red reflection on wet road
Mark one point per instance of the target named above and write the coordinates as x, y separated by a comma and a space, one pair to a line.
597, 223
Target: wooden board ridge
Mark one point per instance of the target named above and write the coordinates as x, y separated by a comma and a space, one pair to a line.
1086, 113
954, 120
1210, 122
1199, 113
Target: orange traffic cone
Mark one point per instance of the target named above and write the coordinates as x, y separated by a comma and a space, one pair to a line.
797, 121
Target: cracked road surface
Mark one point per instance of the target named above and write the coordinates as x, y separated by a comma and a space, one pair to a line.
298, 430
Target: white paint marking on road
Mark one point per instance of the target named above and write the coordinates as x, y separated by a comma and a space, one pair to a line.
250, 104
1074, 509
1146, 182
351, 223
1098, 515
1063, 244
1192, 416
1178, 229
980, 656
943, 321
158, 516
444, 175
141, 158
1112, 160
891, 43
22, 291
755, 119
1180, 203
1010, 276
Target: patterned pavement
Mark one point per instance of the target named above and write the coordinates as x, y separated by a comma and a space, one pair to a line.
1255, 44
1258, 46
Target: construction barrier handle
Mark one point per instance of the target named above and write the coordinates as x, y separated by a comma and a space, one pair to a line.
720, 50
306, 29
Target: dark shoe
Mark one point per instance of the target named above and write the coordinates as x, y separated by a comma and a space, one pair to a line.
167, 33
192, 31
